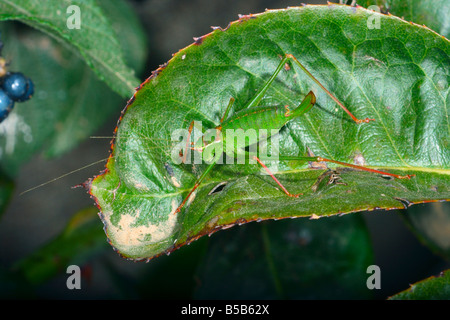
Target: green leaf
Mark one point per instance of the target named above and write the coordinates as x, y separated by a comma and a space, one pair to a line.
434, 14
95, 41
82, 238
433, 288
68, 105
290, 259
397, 74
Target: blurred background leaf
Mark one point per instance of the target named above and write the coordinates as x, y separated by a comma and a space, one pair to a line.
69, 103
95, 39
288, 259
433, 288
434, 14
432, 226
82, 239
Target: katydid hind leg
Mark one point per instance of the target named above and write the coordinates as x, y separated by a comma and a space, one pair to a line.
257, 98
341, 105
227, 110
292, 195
345, 164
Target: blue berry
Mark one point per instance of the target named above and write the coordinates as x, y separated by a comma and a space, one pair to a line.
15, 85
6, 105
30, 90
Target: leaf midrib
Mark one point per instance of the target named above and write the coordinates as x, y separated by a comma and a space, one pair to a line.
445, 172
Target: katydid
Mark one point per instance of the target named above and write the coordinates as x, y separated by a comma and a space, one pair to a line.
269, 118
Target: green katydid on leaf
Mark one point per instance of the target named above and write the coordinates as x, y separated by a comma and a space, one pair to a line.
396, 74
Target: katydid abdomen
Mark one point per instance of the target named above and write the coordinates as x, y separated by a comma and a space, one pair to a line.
270, 119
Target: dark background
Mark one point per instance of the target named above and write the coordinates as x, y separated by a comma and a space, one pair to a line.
38, 216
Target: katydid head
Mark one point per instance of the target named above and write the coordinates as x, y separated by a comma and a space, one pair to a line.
210, 150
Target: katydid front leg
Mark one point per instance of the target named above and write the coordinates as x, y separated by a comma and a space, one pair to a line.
191, 127
290, 56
